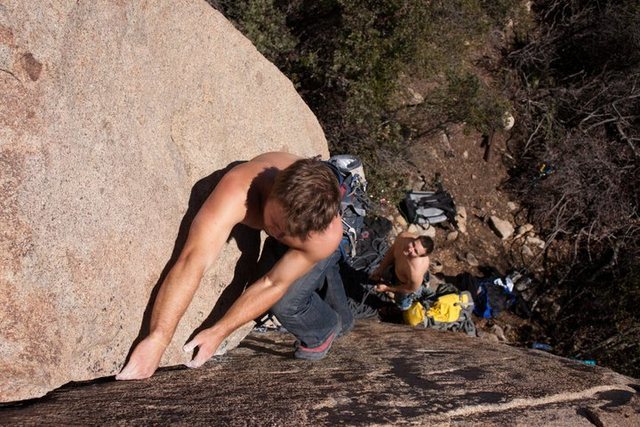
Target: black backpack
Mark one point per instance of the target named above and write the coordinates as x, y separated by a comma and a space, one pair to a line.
429, 207
372, 245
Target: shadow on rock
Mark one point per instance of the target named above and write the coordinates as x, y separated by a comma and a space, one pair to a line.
247, 239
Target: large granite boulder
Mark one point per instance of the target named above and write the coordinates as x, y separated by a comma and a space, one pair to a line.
379, 375
110, 113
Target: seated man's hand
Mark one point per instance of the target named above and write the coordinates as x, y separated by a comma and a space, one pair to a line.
144, 360
207, 342
381, 287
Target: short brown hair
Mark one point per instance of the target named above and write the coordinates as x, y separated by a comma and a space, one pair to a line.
427, 244
309, 193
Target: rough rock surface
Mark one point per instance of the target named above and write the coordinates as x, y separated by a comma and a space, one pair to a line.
110, 113
461, 219
381, 374
503, 228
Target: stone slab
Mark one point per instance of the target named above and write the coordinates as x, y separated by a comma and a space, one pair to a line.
114, 118
381, 374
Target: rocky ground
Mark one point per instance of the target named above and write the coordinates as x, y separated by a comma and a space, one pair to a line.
493, 232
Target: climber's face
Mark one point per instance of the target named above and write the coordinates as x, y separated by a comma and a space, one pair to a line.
274, 219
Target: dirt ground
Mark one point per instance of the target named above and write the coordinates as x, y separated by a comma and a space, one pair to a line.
475, 184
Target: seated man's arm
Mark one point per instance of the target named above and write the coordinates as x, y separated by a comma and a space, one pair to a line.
412, 285
207, 235
405, 288
256, 300
386, 262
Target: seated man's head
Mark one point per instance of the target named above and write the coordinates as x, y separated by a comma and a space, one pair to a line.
305, 197
419, 247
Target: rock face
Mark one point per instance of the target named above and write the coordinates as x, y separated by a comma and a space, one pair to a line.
461, 219
380, 374
110, 113
503, 228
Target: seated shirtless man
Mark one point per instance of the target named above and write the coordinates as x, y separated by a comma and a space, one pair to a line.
296, 201
405, 267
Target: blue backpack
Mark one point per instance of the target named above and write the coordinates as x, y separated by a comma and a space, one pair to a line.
492, 296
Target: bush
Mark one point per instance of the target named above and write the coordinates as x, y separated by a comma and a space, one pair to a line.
580, 98
346, 57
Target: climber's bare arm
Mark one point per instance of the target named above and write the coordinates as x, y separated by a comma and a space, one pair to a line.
404, 288
256, 300
266, 291
211, 227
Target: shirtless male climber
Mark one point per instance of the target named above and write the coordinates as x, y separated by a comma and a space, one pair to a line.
405, 266
296, 202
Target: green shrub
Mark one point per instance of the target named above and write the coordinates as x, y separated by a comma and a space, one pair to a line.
466, 99
345, 58
262, 22
578, 106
